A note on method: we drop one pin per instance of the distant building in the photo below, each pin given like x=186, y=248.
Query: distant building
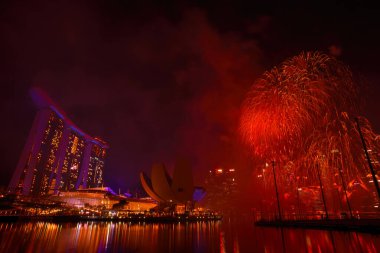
x=221, y=187
x=57, y=155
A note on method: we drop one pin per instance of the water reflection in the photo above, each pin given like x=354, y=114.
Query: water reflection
x=227, y=236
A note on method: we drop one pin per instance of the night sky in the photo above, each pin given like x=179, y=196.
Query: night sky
x=164, y=80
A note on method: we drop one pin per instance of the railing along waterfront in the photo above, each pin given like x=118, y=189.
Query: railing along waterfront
x=273, y=216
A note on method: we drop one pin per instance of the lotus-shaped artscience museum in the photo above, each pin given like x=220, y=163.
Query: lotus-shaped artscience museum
x=179, y=189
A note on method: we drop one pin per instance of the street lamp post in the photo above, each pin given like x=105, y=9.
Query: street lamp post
x=323, y=195
x=275, y=186
x=298, y=199
x=344, y=189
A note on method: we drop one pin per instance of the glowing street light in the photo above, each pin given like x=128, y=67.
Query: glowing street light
x=275, y=185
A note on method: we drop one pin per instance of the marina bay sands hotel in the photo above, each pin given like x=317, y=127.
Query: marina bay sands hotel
x=57, y=155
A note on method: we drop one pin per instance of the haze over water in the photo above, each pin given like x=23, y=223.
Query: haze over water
x=221, y=236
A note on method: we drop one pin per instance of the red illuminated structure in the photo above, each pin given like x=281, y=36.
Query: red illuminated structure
x=57, y=154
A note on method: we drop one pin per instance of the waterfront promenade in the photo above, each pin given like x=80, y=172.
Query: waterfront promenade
x=148, y=218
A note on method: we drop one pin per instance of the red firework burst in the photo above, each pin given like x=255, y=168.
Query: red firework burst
x=289, y=101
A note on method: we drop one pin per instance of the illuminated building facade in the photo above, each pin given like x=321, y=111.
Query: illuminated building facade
x=57, y=155
x=102, y=197
x=96, y=166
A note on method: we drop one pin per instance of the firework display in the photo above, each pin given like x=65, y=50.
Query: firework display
x=301, y=115
x=287, y=102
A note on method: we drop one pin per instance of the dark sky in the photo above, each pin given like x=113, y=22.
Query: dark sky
x=162, y=80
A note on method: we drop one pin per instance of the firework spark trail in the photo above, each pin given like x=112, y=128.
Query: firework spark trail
x=339, y=141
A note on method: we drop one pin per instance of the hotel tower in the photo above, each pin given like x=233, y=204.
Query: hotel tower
x=57, y=155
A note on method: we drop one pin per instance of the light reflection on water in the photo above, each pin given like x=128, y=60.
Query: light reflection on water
x=225, y=236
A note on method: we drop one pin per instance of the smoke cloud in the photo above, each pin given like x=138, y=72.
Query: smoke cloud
x=153, y=86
